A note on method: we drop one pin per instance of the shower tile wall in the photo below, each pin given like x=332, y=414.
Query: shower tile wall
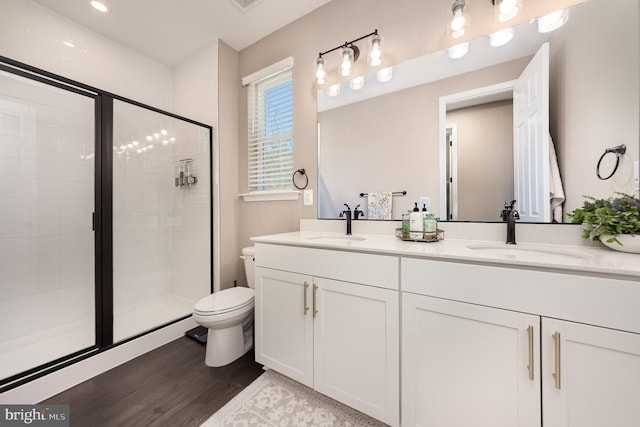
x=35, y=35
x=192, y=218
x=46, y=237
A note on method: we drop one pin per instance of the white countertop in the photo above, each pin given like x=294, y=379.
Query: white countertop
x=592, y=259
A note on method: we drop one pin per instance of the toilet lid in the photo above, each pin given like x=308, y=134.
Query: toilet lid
x=225, y=300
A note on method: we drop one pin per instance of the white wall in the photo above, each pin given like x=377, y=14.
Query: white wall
x=593, y=116
x=33, y=34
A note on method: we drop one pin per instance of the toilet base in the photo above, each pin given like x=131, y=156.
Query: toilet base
x=228, y=344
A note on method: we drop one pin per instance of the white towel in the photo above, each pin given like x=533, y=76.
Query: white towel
x=379, y=205
x=556, y=192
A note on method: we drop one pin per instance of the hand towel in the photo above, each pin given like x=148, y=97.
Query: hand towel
x=379, y=205
x=556, y=191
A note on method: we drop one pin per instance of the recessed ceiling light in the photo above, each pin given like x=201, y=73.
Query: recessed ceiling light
x=99, y=6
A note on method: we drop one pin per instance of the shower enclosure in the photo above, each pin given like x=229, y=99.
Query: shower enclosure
x=105, y=220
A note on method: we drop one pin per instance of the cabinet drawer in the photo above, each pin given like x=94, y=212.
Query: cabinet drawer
x=370, y=269
x=601, y=301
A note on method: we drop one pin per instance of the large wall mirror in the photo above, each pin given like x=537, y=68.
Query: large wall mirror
x=444, y=130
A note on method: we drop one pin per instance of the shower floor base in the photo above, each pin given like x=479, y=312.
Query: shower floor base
x=138, y=318
x=29, y=351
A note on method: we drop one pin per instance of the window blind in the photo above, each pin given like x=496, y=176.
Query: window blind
x=270, y=131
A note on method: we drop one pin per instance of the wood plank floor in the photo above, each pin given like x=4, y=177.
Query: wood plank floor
x=169, y=386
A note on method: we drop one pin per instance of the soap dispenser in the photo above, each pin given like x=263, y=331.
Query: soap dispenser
x=416, y=223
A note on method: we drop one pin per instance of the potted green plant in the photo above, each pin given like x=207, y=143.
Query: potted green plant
x=614, y=221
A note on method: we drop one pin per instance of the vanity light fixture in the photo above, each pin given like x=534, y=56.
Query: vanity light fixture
x=357, y=83
x=458, y=51
x=500, y=38
x=349, y=54
x=321, y=74
x=553, y=21
x=374, y=58
x=99, y=6
x=457, y=19
x=507, y=9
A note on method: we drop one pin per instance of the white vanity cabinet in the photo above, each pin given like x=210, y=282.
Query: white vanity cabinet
x=470, y=333
x=591, y=376
x=468, y=365
x=330, y=320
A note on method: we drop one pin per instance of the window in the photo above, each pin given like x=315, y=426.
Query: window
x=270, y=130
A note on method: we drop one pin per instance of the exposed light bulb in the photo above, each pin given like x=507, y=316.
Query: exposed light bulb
x=357, y=83
x=345, y=64
x=507, y=6
x=156, y=135
x=149, y=138
x=375, y=53
x=507, y=9
x=458, y=21
x=163, y=131
x=136, y=143
x=321, y=73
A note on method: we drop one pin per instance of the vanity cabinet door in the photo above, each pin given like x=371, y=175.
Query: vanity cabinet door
x=284, y=323
x=468, y=365
x=356, y=340
x=599, y=376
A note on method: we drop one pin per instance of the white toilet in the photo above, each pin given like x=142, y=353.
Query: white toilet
x=228, y=316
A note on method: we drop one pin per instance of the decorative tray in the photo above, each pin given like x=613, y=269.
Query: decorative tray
x=420, y=236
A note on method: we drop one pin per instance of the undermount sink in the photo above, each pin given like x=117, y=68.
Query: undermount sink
x=527, y=250
x=336, y=238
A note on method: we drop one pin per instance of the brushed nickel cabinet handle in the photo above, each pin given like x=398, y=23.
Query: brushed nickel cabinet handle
x=530, y=365
x=315, y=294
x=306, y=305
x=557, y=373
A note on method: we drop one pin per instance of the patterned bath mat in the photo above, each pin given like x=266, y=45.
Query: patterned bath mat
x=274, y=400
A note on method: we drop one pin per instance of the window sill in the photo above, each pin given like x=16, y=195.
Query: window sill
x=267, y=196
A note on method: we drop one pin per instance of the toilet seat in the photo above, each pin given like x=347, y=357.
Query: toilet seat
x=225, y=301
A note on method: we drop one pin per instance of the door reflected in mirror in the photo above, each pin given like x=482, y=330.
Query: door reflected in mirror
x=394, y=139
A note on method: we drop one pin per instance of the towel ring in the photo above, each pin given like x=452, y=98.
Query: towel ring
x=618, y=151
x=306, y=177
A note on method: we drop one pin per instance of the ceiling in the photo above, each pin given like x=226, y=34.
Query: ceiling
x=170, y=32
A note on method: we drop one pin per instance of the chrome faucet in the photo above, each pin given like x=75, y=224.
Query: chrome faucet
x=509, y=215
x=347, y=214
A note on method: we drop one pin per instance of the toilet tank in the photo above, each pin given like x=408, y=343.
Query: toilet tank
x=249, y=257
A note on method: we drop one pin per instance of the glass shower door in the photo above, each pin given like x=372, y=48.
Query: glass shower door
x=47, y=297
x=161, y=218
